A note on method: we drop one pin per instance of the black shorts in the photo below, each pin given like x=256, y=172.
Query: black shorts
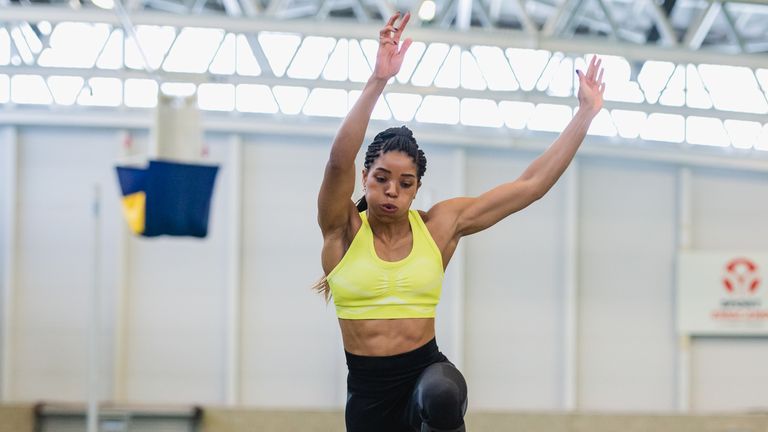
x=419, y=390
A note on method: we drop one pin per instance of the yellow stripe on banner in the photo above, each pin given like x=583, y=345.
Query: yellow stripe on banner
x=134, y=206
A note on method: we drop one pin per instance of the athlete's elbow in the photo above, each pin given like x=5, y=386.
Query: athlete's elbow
x=338, y=164
x=537, y=189
x=540, y=192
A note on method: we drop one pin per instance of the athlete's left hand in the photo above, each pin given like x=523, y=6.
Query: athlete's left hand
x=391, y=52
x=591, y=87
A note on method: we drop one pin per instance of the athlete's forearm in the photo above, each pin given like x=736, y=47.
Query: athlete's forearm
x=350, y=136
x=547, y=168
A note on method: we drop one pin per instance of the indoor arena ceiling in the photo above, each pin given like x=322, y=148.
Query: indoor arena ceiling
x=727, y=26
x=683, y=74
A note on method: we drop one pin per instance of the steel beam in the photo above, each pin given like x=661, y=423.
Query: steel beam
x=663, y=26
x=702, y=25
x=609, y=18
x=342, y=29
x=528, y=24
x=536, y=97
x=733, y=29
x=553, y=22
x=475, y=137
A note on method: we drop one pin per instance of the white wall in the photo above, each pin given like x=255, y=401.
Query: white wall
x=729, y=213
x=174, y=306
x=514, y=306
x=290, y=340
x=502, y=318
x=627, y=250
x=57, y=173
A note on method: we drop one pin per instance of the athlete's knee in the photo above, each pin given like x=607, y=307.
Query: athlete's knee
x=443, y=394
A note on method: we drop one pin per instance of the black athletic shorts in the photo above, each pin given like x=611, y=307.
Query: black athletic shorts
x=419, y=390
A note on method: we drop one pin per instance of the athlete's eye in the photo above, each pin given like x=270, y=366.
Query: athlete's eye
x=381, y=179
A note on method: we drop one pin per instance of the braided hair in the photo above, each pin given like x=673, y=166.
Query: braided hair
x=394, y=139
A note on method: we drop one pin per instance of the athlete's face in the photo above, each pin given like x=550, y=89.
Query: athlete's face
x=390, y=184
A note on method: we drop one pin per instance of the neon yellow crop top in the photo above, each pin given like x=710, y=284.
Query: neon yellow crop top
x=366, y=287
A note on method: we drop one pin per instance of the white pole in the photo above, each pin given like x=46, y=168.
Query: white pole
x=234, y=274
x=122, y=295
x=8, y=192
x=459, y=264
x=684, y=340
x=93, y=369
x=571, y=289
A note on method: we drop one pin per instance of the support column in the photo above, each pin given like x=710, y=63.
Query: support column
x=459, y=264
x=233, y=325
x=684, y=340
x=8, y=194
x=122, y=298
x=571, y=289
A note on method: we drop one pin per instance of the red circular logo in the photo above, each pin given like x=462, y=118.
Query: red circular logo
x=741, y=276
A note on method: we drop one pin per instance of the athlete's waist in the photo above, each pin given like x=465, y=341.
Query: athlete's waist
x=386, y=337
x=386, y=311
x=419, y=357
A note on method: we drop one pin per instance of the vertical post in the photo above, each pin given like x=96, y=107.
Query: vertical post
x=121, y=306
x=571, y=288
x=8, y=193
x=684, y=340
x=234, y=273
x=95, y=327
x=121, y=298
x=459, y=263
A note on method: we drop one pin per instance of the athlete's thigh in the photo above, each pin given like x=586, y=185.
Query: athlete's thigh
x=439, y=396
x=376, y=414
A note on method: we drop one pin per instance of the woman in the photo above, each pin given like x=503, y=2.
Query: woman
x=384, y=262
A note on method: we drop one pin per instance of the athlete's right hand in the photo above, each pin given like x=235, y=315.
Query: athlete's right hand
x=391, y=52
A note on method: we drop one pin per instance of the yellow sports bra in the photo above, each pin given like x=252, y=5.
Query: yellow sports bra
x=364, y=286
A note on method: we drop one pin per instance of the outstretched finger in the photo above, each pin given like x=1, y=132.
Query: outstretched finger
x=581, y=76
x=594, y=64
x=393, y=18
x=602, y=89
x=404, y=47
x=399, y=29
x=594, y=67
x=600, y=76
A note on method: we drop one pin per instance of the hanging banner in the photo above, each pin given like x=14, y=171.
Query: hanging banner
x=167, y=198
x=722, y=293
x=171, y=193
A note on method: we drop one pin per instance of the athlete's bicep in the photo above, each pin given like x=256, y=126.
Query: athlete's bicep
x=491, y=207
x=463, y=216
x=334, y=201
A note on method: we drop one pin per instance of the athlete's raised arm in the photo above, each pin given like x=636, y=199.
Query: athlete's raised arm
x=334, y=201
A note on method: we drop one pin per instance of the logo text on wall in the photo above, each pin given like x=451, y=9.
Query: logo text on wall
x=722, y=292
x=741, y=281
